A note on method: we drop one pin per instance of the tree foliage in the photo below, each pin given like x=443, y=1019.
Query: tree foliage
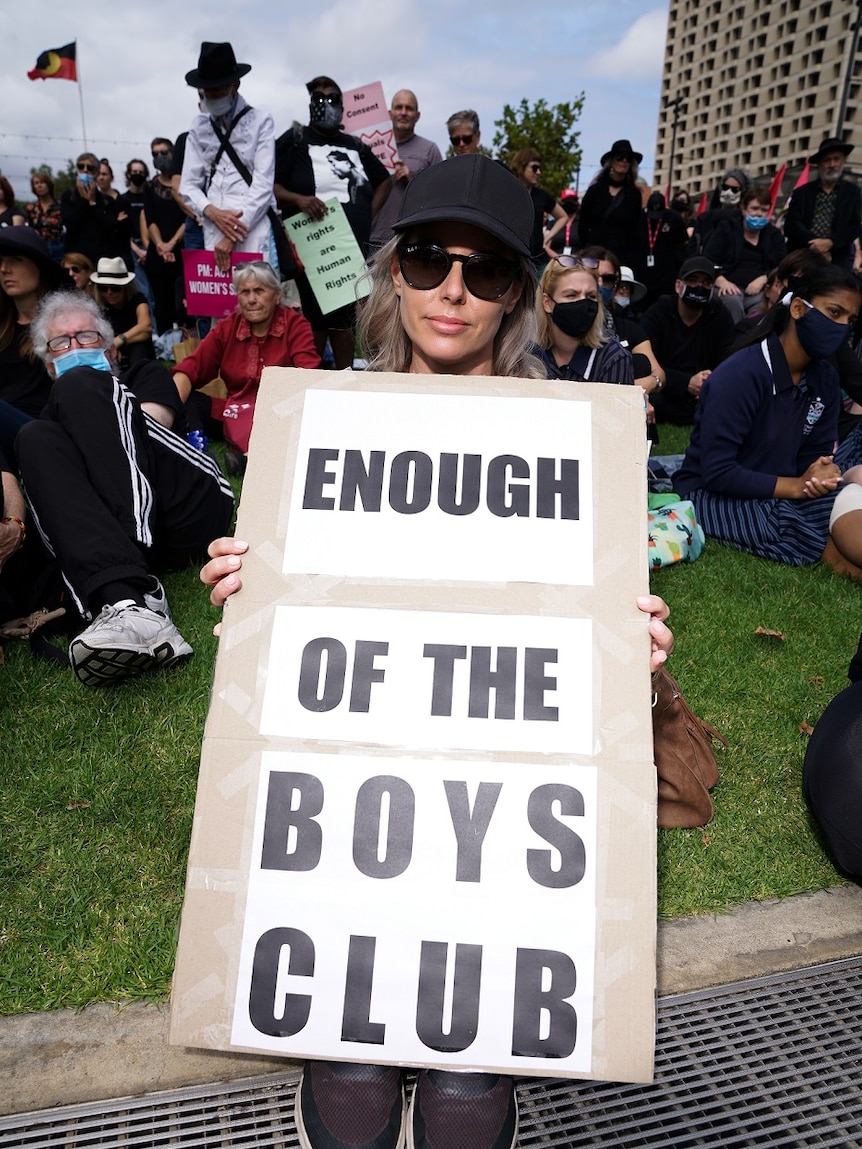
x=550, y=130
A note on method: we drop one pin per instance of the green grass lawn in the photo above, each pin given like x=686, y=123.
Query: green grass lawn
x=99, y=785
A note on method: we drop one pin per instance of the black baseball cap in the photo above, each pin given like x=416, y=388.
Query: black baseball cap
x=470, y=189
x=697, y=263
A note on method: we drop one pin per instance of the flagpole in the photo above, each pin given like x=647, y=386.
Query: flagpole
x=80, y=95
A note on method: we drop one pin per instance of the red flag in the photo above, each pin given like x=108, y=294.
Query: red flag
x=803, y=176
x=775, y=188
x=56, y=64
x=702, y=205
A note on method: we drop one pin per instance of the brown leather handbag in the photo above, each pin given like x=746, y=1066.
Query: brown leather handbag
x=684, y=760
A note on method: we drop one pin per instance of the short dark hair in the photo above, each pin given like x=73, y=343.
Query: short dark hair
x=162, y=140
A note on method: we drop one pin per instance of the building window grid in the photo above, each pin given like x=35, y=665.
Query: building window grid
x=795, y=140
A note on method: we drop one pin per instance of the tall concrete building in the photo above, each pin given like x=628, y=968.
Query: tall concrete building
x=757, y=83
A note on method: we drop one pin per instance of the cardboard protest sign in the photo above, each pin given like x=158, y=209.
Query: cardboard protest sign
x=330, y=255
x=208, y=290
x=425, y=824
x=366, y=115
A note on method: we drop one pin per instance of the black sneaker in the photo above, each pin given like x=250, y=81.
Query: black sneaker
x=463, y=1111
x=346, y=1106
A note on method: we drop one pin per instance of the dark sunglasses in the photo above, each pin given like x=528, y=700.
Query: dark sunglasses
x=425, y=266
x=111, y=286
x=608, y=280
x=534, y=167
x=623, y=156
x=730, y=188
x=73, y=267
x=577, y=261
x=163, y=152
x=456, y=140
x=86, y=167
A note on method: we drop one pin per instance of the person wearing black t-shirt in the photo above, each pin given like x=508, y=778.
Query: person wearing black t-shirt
x=314, y=164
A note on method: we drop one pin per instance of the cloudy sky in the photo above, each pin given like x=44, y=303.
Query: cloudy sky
x=132, y=62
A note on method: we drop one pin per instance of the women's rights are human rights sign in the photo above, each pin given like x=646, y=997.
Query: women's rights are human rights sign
x=425, y=829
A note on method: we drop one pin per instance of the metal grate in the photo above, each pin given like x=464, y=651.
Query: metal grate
x=771, y=1061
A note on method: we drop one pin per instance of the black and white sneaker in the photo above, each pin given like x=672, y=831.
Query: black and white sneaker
x=346, y=1106
x=125, y=640
x=463, y=1111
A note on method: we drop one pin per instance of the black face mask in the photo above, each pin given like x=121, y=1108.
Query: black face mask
x=576, y=318
x=696, y=296
x=136, y=179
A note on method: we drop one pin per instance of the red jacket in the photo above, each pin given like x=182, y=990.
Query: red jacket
x=233, y=352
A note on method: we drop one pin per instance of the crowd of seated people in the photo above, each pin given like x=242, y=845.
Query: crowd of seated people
x=708, y=314
x=733, y=320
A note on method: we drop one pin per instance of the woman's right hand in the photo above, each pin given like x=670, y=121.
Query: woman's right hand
x=222, y=571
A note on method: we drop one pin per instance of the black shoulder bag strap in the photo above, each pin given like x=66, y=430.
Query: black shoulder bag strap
x=288, y=266
x=227, y=146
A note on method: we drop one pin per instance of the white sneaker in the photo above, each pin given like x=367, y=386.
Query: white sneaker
x=124, y=641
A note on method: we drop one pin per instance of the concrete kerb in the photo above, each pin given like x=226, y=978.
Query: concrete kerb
x=68, y=1057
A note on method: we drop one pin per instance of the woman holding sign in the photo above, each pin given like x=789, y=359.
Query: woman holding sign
x=452, y=293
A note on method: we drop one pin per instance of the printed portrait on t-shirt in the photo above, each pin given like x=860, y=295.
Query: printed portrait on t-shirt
x=337, y=172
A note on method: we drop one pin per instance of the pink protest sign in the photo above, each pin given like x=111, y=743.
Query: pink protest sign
x=208, y=290
x=366, y=116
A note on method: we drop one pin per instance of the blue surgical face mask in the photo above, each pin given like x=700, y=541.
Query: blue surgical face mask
x=623, y=301
x=219, y=107
x=756, y=222
x=81, y=357
x=607, y=294
x=819, y=335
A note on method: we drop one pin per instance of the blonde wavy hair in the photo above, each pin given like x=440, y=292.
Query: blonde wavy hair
x=387, y=348
x=551, y=276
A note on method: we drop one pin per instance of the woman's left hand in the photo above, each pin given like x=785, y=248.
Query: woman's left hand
x=661, y=636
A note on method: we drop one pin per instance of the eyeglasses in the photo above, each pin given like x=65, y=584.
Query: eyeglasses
x=73, y=267
x=621, y=156
x=161, y=152
x=425, y=266
x=86, y=167
x=608, y=280
x=112, y=287
x=455, y=141
x=586, y=262
x=730, y=187
x=82, y=338
x=326, y=98
x=534, y=167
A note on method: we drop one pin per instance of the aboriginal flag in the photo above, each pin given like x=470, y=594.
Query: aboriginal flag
x=56, y=64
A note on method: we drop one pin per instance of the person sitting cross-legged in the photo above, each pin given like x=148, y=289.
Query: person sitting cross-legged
x=114, y=492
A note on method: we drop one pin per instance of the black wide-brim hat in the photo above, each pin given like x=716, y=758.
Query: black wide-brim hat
x=217, y=67
x=622, y=148
x=25, y=241
x=470, y=189
x=833, y=144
